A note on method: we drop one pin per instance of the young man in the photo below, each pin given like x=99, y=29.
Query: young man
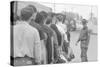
x=41, y=20
x=43, y=36
x=84, y=39
x=62, y=29
x=27, y=47
x=49, y=32
x=66, y=52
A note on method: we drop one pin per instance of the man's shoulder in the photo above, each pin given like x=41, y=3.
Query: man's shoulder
x=47, y=29
x=33, y=29
x=36, y=25
x=17, y=26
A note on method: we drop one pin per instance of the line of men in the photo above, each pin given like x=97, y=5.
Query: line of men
x=42, y=38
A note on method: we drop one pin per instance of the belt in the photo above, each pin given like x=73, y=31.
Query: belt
x=21, y=61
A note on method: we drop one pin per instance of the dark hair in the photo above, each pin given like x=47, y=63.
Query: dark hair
x=44, y=14
x=33, y=7
x=49, y=20
x=26, y=13
x=84, y=21
x=60, y=17
x=39, y=18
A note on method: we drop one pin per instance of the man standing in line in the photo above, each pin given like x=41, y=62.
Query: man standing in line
x=27, y=47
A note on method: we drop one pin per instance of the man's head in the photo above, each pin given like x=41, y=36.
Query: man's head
x=28, y=13
x=49, y=20
x=84, y=22
x=35, y=11
x=60, y=17
x=39, y=19
x=45, y=15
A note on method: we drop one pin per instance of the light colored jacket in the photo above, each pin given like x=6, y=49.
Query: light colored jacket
x=62, y=29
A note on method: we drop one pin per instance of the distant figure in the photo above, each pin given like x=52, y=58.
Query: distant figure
x=84, y=39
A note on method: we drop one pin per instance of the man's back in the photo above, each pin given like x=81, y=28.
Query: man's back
x=26, y=38
x=39, y=28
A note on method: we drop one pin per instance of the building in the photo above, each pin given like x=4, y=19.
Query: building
x=22, y=4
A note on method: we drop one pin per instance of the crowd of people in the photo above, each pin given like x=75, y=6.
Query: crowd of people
x=44, y=38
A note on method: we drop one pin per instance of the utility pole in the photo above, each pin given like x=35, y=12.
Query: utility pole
x=91, y=15
x=71, y=9
x=54, y=5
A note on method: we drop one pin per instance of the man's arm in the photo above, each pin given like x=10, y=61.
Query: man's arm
x=37, y=44
x=80, y=36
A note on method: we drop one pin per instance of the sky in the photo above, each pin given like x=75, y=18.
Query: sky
x=83, y=10
x=63, y=5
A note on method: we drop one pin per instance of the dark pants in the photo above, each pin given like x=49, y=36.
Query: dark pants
x=84, y=54
x=84, y=48
x=55, y=52
x=49, y=50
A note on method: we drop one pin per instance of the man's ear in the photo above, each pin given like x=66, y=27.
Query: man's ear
x=33, y=17
x=35, y=14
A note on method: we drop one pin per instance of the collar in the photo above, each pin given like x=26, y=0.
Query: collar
x=22, y=22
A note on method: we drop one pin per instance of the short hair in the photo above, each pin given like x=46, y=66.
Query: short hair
x=84, y=21
x=44, y=14
x=49, y=20
x=33, y=7
x=39, y=18
x=26, y=13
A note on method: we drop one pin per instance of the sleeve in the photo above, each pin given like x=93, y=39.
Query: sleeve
x=37, y=47
x=81, y=35
x=68, y=35
x=55, y=38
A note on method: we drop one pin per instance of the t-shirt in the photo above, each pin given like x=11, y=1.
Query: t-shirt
x=26, y=41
